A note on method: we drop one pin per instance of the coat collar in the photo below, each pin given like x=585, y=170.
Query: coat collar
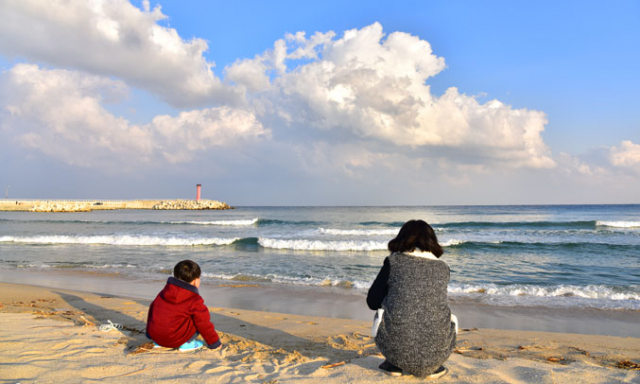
x=182, y=284
x=426, y=255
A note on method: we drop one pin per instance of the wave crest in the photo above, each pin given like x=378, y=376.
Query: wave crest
x=358, y=232
x=235, y=223
x=319, y=245
x=619, y=224
x=587, y=292
x=121, y=240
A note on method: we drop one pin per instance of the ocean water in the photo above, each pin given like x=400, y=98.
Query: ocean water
x=567, y=256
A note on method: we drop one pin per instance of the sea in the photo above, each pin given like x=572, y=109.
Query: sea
x=585, y=256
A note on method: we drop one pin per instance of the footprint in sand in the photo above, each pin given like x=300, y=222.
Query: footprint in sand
x=220, y=369
x=230, y=376
x=310, y=368
x=253, y=377
x=65, y=344
x=269, y=368
x=94, y=351
x=198, y=365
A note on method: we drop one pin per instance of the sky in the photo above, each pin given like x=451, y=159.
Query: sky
x=321, y=103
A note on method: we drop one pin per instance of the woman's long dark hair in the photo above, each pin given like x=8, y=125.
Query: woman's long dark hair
x=416, y=234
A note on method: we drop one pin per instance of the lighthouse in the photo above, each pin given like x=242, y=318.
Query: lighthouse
x=198, y=190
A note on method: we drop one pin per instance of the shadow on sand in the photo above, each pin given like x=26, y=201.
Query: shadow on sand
x=134, y=331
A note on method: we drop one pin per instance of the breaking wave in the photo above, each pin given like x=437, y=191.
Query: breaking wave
x=358, y=232
x=333, y=245
x=280, y=279
x=239, y=222
x=320, y=245
x=121, y=240
x=235, y=223
x=619, y=224
x=590, y=296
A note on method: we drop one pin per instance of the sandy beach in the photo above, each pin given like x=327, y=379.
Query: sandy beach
x=52, y=335
x=423, y=158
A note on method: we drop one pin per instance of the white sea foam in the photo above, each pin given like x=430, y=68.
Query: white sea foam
x=319, y=245
x=88, y=266
x=590, y=296
x=118, y=240
x=619, y=224
x=451, y=242
x=237, y=223
x=112, y=266
x=359, y=232
x=326, y=282
x=333, y=245
x=587, y=292
x=305, y=281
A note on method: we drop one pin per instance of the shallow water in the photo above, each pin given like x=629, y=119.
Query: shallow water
x=553, y=256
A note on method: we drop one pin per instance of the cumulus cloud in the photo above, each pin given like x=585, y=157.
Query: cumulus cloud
x=199, y=130
x=339, y=159
x=591, y=168
x=362, y=89
x=113, y=38
x=374, y=87
x=61, y=113
x=626, y=155
x=573, y=165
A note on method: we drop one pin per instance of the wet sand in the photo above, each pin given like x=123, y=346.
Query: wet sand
x=336, y=302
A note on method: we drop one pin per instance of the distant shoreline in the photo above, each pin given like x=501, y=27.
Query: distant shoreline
x=88, y=205
x=109, y=204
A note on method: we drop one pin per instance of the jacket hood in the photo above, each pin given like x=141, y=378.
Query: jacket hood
x=176, y=291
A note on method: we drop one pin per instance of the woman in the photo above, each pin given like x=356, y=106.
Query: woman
x=416, y=335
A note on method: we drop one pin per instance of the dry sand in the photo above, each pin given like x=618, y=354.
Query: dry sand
x=51, y=335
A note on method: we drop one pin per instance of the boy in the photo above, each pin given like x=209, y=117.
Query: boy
x=178, y=314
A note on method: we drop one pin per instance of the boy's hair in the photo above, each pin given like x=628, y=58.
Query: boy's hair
x=187, y=271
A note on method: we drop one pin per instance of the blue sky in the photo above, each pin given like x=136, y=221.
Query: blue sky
x=415, y=102
x=575, y=60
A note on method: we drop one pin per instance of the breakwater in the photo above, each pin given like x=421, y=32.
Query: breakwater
x=87, y=205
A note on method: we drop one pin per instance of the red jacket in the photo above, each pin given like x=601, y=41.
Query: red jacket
x=177, y=313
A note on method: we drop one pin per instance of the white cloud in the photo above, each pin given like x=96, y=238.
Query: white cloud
x=573, y=165
x=627, y=155
x=364, y=89
x=339, y=159
x=60, y=113
x=200, y=130
x=113, y=38
x=375, y=88
x=250, y=75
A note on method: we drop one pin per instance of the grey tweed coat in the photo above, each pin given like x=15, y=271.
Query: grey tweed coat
x=416, y=333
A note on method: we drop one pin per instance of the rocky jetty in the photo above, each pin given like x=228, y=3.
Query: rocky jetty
x=191, y=204
x=101, y=205
x=61, y=207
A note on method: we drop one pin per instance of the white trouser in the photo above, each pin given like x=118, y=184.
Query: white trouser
x=454, y=319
